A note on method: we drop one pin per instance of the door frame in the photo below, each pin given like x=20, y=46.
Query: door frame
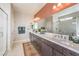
x=6, y=32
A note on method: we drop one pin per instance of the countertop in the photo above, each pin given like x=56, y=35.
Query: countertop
x=64, y=43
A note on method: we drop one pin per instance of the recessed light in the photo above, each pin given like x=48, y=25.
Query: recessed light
x=59, y=4
x=36, y=19
x=54, y=7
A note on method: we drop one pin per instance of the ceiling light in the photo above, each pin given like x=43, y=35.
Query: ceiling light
x=36, y=19
x=54, y=7
x=59, y=4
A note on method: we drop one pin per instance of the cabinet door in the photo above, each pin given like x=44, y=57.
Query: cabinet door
x=68, y=52
x=46, y=50
x=38, y=45
x=31, y=37
x=57, y=53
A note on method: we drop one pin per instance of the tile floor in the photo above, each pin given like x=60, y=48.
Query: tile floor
x=17, y=49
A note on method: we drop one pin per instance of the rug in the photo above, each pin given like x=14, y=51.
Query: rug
x=30, y=50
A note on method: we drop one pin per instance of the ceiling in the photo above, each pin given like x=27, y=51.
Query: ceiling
x=29, y=9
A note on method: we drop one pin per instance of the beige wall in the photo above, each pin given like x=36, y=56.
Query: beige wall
x=48, y=24
x=22, y=20
x=41, y=23
x=12, y=26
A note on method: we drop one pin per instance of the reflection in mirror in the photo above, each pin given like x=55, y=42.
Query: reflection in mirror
x=47, y=23
x=67, y=26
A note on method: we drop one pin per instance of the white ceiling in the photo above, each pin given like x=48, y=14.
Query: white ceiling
x=29, y=9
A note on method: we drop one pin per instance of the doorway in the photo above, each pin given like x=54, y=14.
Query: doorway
x=3, y=31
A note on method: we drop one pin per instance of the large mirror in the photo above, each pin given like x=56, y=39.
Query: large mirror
x=68, y=24
x=47, y=23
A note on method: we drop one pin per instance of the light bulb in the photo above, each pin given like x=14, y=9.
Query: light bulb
x=54, y=6
x=59, y=4
x=36, y=19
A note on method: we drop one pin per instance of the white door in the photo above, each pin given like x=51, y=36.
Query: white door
x=3, y=32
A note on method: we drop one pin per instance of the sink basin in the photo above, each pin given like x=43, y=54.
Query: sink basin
x=48, y=35
x=66, y=43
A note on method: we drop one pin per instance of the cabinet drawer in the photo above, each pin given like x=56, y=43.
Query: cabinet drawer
x=56, y=47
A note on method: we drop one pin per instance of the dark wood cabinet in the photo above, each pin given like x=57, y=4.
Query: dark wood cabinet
x=42, y=47
x=67, y=52
x=48, y=48
x=57, y=53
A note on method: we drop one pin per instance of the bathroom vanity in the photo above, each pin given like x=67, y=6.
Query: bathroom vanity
x=49, y=45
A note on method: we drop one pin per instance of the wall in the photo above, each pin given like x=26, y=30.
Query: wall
x=41, y=23
x=7, y=8
x=48, y=24
x=69, y=10
x=12, y=26
x=22, y=20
